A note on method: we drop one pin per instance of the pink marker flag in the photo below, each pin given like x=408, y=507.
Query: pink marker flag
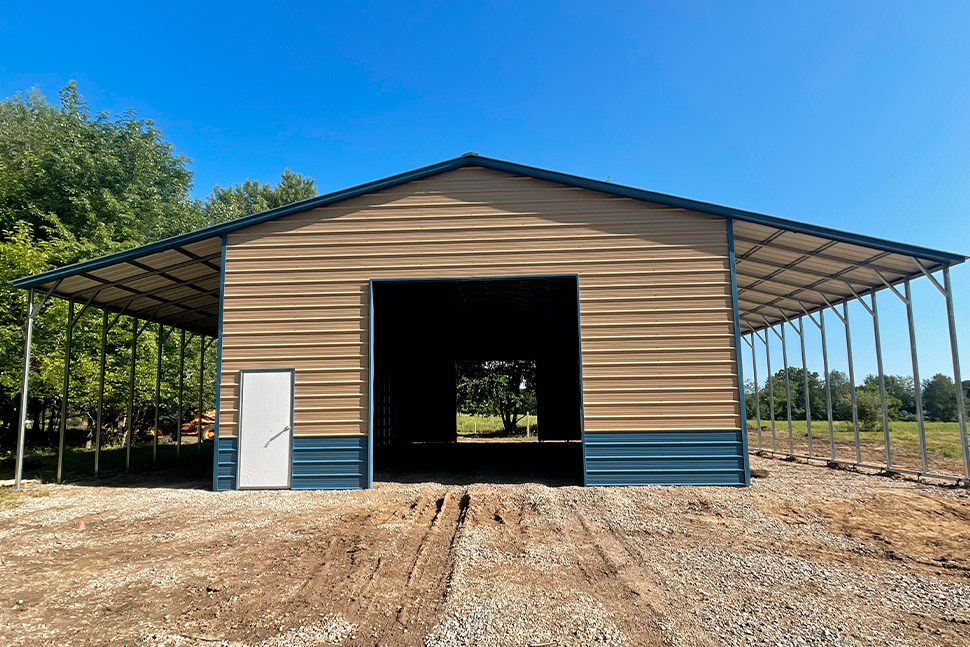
x=81, y=526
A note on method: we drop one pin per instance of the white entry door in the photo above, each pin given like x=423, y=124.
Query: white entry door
x=265, y=428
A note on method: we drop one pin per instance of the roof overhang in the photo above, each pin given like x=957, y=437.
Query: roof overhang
x=784, y=268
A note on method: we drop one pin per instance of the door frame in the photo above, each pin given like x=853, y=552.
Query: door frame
x=289, y=467
x=370, y=351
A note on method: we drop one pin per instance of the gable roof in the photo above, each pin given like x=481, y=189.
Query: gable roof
x=180, y=257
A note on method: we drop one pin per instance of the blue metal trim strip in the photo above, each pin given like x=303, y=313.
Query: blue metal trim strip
x=737, y=351
x=945, y=258
x=582, y=403
x=224, y=472
x=370, y=384
x=478, y=278
x=218, y=389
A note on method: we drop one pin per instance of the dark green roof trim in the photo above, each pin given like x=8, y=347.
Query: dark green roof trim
x=946, y=258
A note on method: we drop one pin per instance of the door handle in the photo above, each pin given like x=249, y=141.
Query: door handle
x=283, y=431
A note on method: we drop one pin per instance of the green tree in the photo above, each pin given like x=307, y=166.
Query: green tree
x=940, y=398
x=252, y=196
x=899, y=387
x=841, y=390
x=505, y=388
x=88, y=184
x=74, y=186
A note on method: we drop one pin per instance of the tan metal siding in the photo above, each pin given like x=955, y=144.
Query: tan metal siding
x=655, y=307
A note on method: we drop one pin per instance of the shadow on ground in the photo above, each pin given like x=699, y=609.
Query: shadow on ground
x=549, y=463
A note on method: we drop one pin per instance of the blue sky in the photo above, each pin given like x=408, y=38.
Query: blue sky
x=851, y=115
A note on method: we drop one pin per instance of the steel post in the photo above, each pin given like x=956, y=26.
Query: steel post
x=784, y=359
x=771, y=394
x=917, y=390
x=757, y=397
x=100, y=412
x=806, y=400
x=882, y=380
x=955, y=352
x=131, y=393
x=24, y=391
x=828, y=385
x=201, y=391
x=855, y=402
x=65, y=390
x=178, y=421
x=158, y=393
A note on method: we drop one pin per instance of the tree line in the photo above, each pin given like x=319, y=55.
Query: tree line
x=938, y=395
x=75, y=185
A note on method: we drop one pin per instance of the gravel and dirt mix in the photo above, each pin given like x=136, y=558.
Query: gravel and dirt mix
x=806, y=556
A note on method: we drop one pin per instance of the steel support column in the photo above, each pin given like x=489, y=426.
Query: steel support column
x=820, y=324
x=874, y=311
x=131, y=393
x=178, y=421
x=100, y=411
x=22, y=426
x=201, y=391
x=828, y=383
x=65, y=390
x=771, y=394
x=158, y=393
x=852, y=393
x=757, y=397
x=917, y=389
x=807, y=401
x=784, y=359
x=955, y=352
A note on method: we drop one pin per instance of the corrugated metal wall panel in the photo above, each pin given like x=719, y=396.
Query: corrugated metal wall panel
x=695, y=457
x=656, y=318
x=329, y=463
x=226, y=463
x=318, y=463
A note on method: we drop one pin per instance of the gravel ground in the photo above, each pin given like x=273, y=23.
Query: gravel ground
x=806, y=556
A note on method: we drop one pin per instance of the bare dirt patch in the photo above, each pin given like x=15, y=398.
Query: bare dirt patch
x=805, y=556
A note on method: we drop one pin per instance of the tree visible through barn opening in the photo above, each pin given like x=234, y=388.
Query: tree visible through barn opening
x=496, y=400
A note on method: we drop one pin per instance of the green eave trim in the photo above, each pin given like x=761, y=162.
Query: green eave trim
x=946, y=258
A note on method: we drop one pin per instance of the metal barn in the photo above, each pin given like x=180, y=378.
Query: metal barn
x=339, y=319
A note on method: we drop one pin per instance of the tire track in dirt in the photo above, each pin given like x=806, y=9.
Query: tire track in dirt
x=621, y=581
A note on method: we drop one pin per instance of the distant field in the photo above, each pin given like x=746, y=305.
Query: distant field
x=942, y=442
x=473, y=426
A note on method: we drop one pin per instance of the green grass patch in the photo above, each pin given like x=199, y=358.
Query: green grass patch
x=475, y=426
x=942, y=438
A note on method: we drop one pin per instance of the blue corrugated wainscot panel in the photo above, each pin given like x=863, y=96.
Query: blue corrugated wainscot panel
x=329, y=463
x=226, y=452
x=665, y=458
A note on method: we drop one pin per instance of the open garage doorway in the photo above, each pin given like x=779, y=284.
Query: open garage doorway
x=422, y=329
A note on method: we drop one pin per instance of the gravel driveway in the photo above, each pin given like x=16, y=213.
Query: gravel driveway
x=806, y=556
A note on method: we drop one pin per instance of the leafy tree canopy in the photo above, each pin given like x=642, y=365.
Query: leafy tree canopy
x=252, y=196
x=76, y=185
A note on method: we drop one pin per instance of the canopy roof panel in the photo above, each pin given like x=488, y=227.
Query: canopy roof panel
x=784, y=268
x=783, y=274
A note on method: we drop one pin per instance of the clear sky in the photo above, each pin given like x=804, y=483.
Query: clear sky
x=854, y=115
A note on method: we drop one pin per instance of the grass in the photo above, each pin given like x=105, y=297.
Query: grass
x=474, y=426
x=11, y=498
x=943, y=449
x=942, y=438
x=79, y=462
